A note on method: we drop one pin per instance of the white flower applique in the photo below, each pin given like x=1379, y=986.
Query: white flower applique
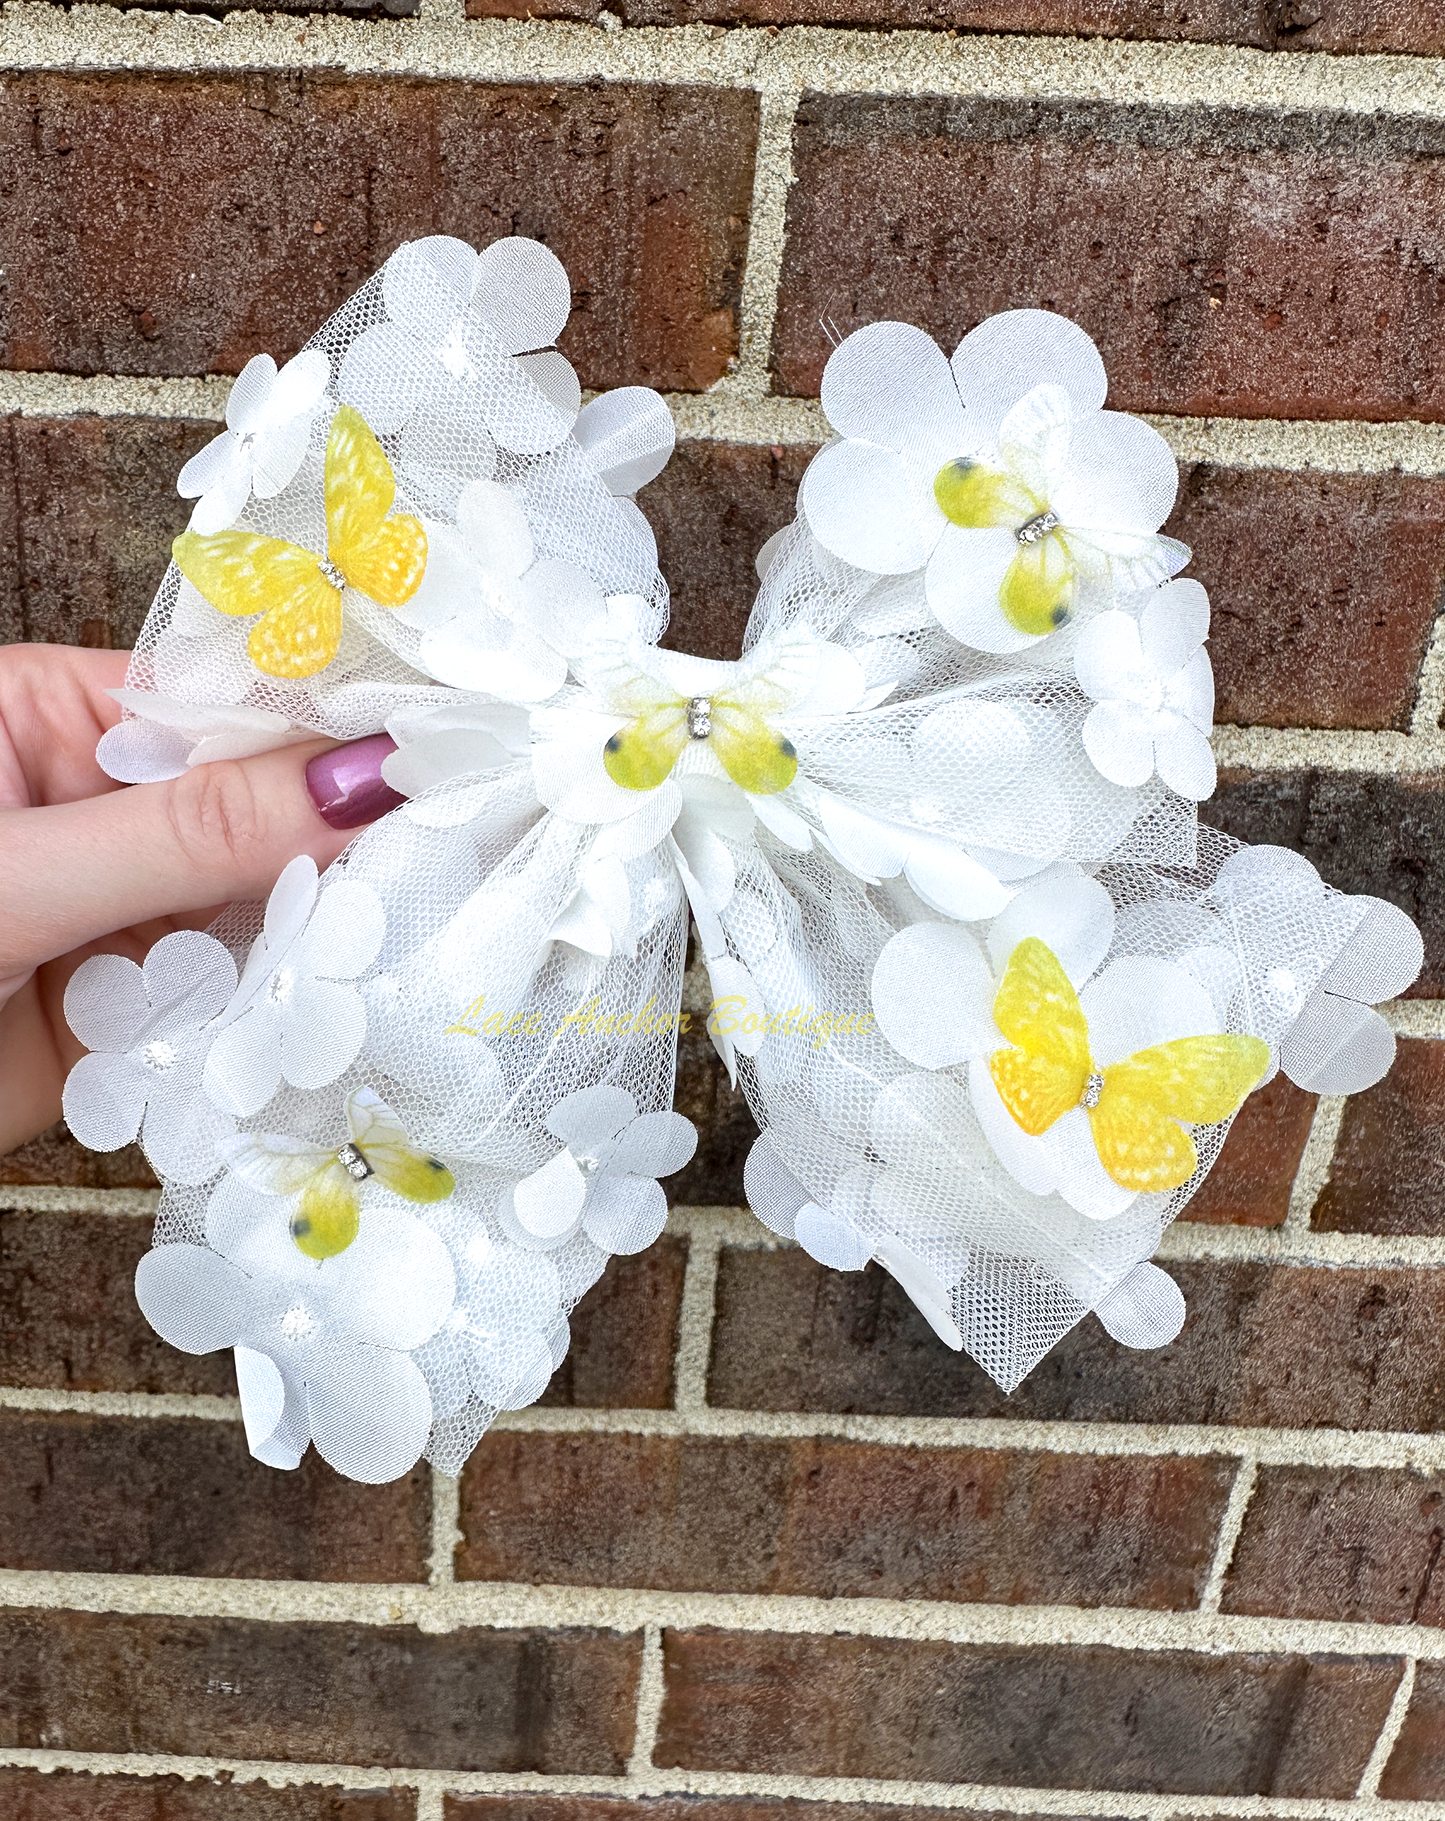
x=492, y=617
x=1153, y=687
x=998, y=473
x=268, y=425
x=166, y=736
x=149, y=1029
x=1330, y=1040
x=321, y=1335
x=627, y=435
x=292, y=1017
x=445, y=359
x=1083, y=1081
x=603, y=1182
x=508, y=1322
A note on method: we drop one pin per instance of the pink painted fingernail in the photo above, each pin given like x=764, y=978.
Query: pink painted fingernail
x=346, y=784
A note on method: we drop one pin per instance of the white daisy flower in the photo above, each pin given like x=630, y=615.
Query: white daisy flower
x=268, y=425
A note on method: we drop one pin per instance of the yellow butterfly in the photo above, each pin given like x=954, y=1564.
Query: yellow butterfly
x=754, y=755
x=328, y=1216
x=1134, y=1105
x=296, y=592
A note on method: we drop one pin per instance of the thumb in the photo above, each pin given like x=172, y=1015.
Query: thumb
x=77, y=871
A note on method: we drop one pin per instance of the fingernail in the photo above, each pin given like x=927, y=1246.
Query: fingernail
x=346, y=784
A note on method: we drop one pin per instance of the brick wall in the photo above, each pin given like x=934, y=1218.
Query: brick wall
x=766, y=1549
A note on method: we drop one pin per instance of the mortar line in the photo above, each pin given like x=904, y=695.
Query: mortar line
x=1369, y=1787
x=1230, y=1525
x=510, y=1606
x=1430, y=690
x=1327, y=1448
x=431, y=1804
x=651, y=1690
x=762, y=271
x=1367, y=752
x=446, y=1531
x=1332, y=1448
x=1314, y=1164
x=826, y=59
x=47, y=1198
x=732, y=414
x=899, y=1793
x=1414, y=1017
x=695, y=1322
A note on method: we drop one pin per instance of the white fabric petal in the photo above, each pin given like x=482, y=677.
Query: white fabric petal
x=1119, y=740
x=773, y=1193
x=522, y=289
x=222, y=503
x=1006, y=356
x=370, y=1413
x=104, y=1098
x=1190, y=691
x=1139, y=1001
x=589, y=1120
x=951, y=881
x=625, y=1213
x=298, y=388
x=394, y=1282
x=1073, y=914
x=933, y=996
x=655, y=1144
x=1173, y=626
x=253, y=1230
x=832, y=1240
x=493, y=524
x=1185, y=761
x=106, y=1002
x=548, y=1203
x=243, y=1066
x=382, y=376
x=427, y=283
x=628, y=434
x=289, y=905
x=179, y=1135
x=189, y=977
x=1030, y=1161
x=931, y=1296
x=964, y=577
x=344, y=934
x=867, y=505
x=1109, y=657
x=140, y=752
x=263, y=1397
x=1381, y=958
x=555, y=378
x=1082, y=1179
x=279, y=453
x=211, y=466
x=1122, y=476
x=890, y=383
x=250, y=396
x=193, y=1298
x=1145, y=1310
x=1337, y=1046
x=322, y=1030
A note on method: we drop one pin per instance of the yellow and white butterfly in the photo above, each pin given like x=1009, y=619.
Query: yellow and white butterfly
x=297, y=593
x=328, y=1181
x=1134, y=1106
x=733, y=717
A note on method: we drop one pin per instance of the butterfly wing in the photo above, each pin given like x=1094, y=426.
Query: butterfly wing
x=329, y=1216
x=1038, y=1010
x=640, y=755
x=1199, y=1079
x=399, y=1166
x=754, y=755
x=241, y=573
x=383, y=557
x=274, y=1162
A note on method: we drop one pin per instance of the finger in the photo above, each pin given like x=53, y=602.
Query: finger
x=219, y=833
x=53, y=709
x=32, y=1070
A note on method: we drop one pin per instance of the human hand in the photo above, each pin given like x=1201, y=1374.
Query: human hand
x=88, y=865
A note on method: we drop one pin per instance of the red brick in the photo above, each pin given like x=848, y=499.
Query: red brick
x=95, y=504
x=1227, y=262
x=840, y=1520
x=1365, y=833
x=554, y=1701
x=56, y=1157
x=1388, y=1173
x=68, y=1314
x=1416, y=1770
x=624, y=1334
x=1327, y=25
x=195, y=1503
x=1342, y=1543
x=1052, y=1718
x=713, y=508
x=69, y=1795
x=522, y=1807
x=1253, y=1175
x=165, y=224
x=1292, y=1347
x=1323, y=589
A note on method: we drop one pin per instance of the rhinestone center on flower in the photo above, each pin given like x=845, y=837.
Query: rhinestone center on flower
x=353, y=1160
x=160, y=1056
x=699, y=717
x=1093, y=1090
x=331, y=572
x=1036, y=529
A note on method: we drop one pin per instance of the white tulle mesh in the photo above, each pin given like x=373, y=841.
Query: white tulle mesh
x=404, y=1112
